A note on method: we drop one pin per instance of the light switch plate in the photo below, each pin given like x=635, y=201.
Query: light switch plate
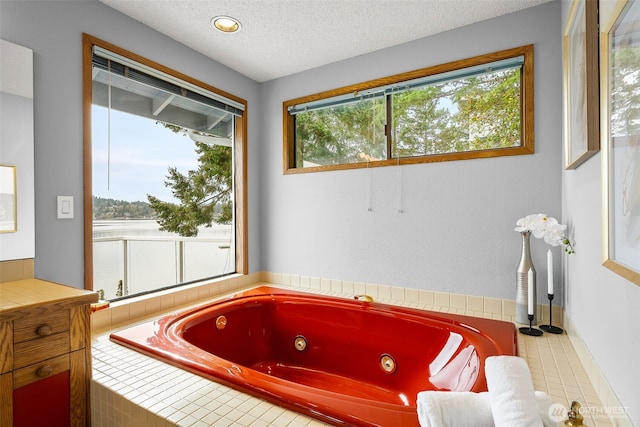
x=65, y=207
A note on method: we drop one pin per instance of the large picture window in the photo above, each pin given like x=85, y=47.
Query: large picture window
x=164, y=168
x=477, y=107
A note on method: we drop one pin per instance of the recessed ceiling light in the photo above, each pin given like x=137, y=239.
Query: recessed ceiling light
x=226, y=24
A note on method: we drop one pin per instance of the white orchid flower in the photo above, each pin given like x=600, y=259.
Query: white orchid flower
x=545, y=227
x=555, y=234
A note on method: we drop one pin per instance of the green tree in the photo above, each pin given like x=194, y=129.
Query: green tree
x=473, y=113
x=421, y=123
x=342, y=134
x=489, y=107
x=105, y=209
x=205, y=194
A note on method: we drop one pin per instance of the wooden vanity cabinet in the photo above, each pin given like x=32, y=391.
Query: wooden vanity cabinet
x=45, y=354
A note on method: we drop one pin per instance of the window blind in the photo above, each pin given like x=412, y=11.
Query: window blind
x=505, y=64
x=119, y=65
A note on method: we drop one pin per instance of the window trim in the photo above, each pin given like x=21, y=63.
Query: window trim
x=240, y=158
x=527, y=114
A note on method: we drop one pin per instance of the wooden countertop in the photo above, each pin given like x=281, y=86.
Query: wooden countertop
x=20, y=295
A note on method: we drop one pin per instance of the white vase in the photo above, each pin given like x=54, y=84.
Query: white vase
x=522, y=283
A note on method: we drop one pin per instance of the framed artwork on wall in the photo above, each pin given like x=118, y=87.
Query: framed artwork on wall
x=620, y=61
x=8, y=200
x=581, y=83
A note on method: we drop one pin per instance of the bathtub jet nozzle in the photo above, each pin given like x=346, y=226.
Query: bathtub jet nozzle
x=221, y=322
x=387, y=363
x=300, y=343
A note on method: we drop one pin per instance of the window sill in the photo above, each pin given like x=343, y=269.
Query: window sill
x=144, y=306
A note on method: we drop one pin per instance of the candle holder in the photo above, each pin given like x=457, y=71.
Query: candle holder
x=530, y=330
x=550, y=328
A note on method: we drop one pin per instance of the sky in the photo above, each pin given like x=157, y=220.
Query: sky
x=140, y=153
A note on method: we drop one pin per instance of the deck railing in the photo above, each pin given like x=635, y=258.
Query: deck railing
x=129, y=265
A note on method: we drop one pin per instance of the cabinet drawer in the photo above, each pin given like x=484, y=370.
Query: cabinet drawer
x=30, y=352
x=40, y=371
x=37, y=325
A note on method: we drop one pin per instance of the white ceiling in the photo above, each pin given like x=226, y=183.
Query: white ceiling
x=283, y=37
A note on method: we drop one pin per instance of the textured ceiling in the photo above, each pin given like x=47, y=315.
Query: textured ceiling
x=283, y=37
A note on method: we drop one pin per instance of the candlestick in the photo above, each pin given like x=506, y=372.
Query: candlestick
x=530, y=330
x=550, y=328
x=530, y=286
x=549, y=272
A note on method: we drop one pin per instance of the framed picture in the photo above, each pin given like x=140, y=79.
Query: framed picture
x=8, y=200
x=581, y=83
x=620, y=61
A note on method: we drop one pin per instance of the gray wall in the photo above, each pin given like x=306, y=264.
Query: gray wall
x=604, y=307
x=53, y=30
x=456, y=232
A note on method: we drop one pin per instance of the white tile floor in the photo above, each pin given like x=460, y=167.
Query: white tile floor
x=131, y=389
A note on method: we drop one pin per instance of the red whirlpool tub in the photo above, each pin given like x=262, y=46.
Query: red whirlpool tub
x=345, y=362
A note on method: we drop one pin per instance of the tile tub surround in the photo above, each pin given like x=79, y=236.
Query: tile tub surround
x=129, y=388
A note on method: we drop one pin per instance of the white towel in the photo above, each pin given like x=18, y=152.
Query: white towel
x=443, y=408
x=513, y=400
x=544, y=404
x=451, y=409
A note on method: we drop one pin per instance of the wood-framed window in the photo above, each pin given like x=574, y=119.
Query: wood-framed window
x=472, y=108
x=137, y=108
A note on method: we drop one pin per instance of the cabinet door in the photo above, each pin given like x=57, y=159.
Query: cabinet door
x=43, y=403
